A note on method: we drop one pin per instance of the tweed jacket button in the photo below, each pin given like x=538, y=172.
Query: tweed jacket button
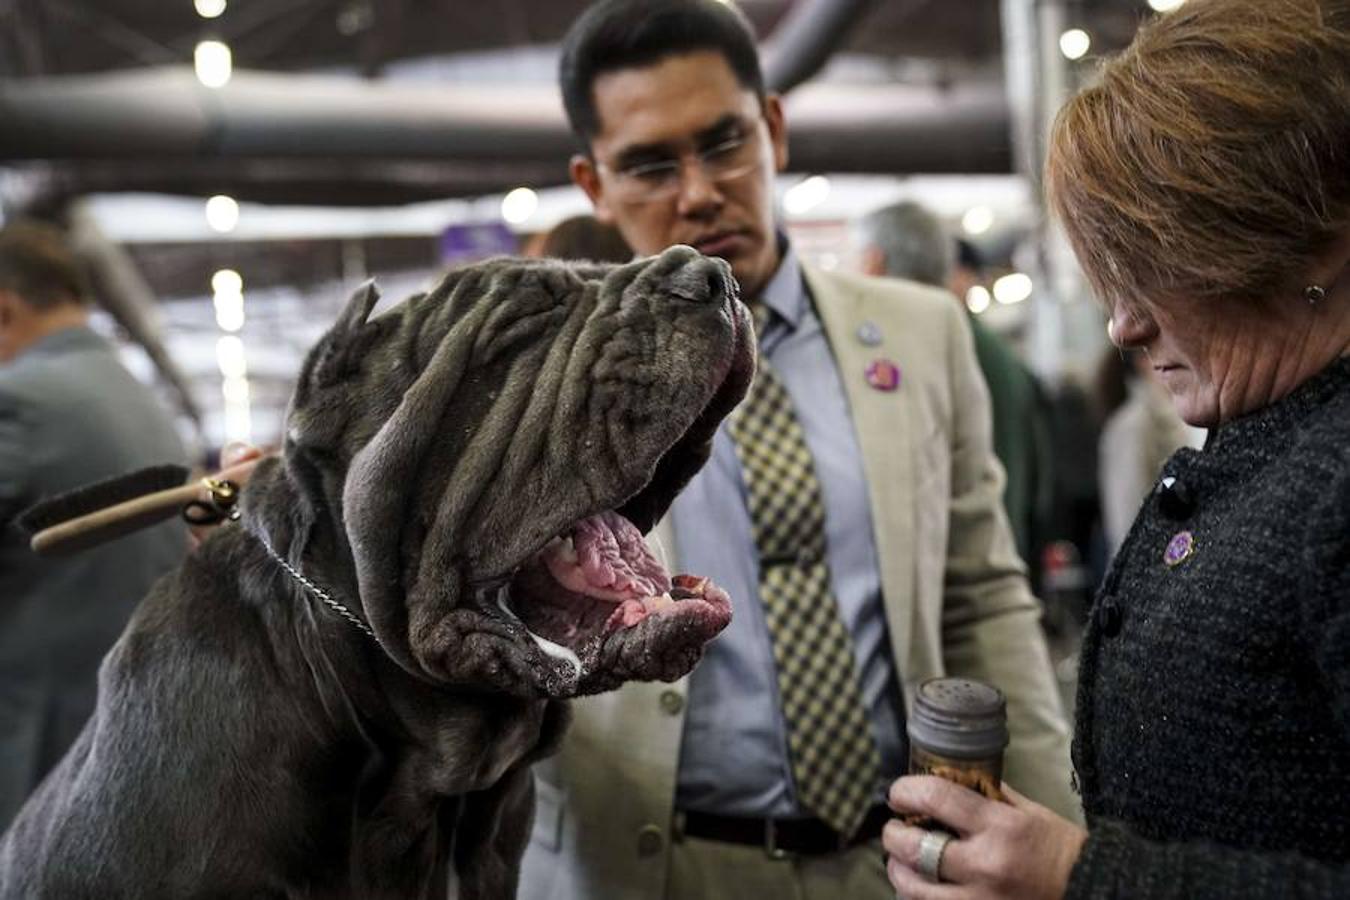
x=1110, y=617
x=650, y=840
x=672, y=702
x=1175, y=498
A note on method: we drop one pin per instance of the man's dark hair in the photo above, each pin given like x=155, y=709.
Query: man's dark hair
x=968, y=256
x=626, y=34
x=37, y=264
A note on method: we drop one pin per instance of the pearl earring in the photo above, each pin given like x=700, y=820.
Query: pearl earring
x=1314, y=294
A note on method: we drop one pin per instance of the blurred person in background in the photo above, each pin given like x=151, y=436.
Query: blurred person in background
x=583, y=237
x=1204, y=184
x=879, y=462
x=70, y=414
x=906, y=240
x=1140, y=430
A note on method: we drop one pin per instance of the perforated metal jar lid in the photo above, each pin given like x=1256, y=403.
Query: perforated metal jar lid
x=959, y=718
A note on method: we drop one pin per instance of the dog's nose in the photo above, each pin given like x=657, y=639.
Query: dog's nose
x=701, y=280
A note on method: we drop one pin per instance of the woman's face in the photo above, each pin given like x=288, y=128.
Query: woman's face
x=1219, y=360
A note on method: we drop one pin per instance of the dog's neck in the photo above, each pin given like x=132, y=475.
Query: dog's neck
x=406, y=759
x=355, y=679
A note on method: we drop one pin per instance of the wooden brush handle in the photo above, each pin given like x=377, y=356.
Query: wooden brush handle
x=113, y=521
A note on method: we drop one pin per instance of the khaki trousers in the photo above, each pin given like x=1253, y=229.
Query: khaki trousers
x=713, y=870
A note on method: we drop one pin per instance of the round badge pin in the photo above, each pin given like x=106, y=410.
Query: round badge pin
x=883, y=375
x=869, y=335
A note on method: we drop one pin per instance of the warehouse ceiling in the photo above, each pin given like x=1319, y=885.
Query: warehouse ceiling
x=378, y=103
x=897, y=63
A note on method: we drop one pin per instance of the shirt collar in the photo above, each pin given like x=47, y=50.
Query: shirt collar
x=785, y=293
x=64, y=339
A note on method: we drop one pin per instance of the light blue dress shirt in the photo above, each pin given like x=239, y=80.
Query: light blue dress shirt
x=734, y=752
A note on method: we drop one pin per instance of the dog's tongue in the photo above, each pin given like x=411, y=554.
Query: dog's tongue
x=607, y=559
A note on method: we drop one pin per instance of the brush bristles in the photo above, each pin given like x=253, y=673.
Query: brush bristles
x=84, y=500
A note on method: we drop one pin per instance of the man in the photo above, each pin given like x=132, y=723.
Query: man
x=905, y=240
x=698, y=789
x=70, y=415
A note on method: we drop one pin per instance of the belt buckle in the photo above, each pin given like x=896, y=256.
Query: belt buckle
x=771, y=848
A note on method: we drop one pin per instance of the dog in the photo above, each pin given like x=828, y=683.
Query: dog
x=340, y=695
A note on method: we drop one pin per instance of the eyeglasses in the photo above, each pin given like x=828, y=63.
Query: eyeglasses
x=661, y=179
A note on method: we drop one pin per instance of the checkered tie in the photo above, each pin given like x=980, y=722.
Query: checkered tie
x=835, y=761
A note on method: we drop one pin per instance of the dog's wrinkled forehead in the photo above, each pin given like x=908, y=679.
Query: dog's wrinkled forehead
x=360, y=370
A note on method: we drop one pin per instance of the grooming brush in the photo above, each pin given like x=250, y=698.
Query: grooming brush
x=100, y=512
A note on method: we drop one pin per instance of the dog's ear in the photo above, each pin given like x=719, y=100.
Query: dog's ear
x=343, y=346
x=317, y=413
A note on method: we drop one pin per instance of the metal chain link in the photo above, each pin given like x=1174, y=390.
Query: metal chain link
x=314, y=588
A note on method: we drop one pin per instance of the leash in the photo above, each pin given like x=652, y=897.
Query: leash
x=324, y=597
x=224, y=507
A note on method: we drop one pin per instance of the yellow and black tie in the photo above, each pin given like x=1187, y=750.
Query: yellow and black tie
x=835, y=760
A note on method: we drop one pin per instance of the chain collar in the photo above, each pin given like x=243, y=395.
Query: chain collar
x=313, y=588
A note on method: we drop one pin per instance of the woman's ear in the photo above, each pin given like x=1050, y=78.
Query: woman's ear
x=1332, y=268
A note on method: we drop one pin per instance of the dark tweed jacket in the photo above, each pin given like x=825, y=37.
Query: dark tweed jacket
x=1213, y=735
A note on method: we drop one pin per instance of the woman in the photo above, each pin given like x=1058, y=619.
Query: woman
x=1205, y=185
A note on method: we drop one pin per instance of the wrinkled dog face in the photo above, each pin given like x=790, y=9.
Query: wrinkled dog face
x=497, y=447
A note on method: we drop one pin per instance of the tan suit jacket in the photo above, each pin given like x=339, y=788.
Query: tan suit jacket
x=955, y=594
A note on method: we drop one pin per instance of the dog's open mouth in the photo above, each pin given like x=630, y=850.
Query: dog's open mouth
x=599, y=596
x=596, y=600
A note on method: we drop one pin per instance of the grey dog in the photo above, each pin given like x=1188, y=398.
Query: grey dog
x=466, y=477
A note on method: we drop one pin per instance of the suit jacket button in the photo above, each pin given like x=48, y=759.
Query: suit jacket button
x=1175, y=498
x=650, y=840
x=672, y=702
x=1110, y=617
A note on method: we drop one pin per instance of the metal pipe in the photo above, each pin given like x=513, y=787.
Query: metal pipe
x=807, y=38
x=124, y=292
x=165, y=117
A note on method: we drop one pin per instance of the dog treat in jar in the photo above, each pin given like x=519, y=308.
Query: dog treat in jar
x=957, y=729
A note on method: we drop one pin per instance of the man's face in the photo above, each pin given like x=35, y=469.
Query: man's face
x=675, y=110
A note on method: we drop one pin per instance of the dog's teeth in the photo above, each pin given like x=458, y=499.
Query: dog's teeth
x=551, y=649
x=686, y=587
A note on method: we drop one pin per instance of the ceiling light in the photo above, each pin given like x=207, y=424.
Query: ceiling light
x=519, y=205
x=222, y=213
x=230, y=356
x=209, y=9
x=806, y=194
x=227, y=282
x=977, y=299
x=214, y=63
x=1075, y=43
x=1012, y=288
x=229, y=311
x=1165, y=5
x=977, y=220
x=236, y=391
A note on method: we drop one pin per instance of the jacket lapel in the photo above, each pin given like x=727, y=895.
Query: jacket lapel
x=882, y=421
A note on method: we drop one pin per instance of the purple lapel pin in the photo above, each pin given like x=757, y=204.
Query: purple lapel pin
x=883, y=375
x=1179, y=548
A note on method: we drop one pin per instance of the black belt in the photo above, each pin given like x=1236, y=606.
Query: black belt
x=781, y=838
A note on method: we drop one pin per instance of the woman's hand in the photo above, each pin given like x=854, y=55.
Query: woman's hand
x=1017, y=849
x=236, y=464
